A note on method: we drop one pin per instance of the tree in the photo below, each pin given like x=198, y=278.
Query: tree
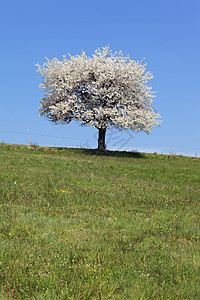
x=106, y=90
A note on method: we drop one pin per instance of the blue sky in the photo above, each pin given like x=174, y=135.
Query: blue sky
x=166, y=33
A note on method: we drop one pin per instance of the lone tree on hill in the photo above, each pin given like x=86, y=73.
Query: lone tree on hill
x=107, y=90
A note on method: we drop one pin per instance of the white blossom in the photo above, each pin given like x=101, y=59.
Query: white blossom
x=105, y=90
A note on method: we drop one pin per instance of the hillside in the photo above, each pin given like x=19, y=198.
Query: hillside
x=84, y=224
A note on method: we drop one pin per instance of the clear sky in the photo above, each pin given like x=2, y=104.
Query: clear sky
x=166, y=33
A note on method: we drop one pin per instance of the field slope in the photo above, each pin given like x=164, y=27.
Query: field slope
x=79, y=224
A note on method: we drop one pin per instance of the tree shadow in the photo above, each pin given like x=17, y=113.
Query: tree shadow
x=107, y=153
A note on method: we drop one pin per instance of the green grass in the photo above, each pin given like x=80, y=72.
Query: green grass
x=82, y=224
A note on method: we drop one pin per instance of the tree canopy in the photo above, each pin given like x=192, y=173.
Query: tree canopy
x=105, y=90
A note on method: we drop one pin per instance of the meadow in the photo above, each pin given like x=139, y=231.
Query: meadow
x=84, y=224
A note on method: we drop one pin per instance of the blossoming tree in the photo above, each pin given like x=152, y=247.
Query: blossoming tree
x=105, y=90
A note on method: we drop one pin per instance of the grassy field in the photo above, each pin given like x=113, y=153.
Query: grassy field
x=79, y=224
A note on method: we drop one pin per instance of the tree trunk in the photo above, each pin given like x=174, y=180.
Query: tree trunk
x=101, y=139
